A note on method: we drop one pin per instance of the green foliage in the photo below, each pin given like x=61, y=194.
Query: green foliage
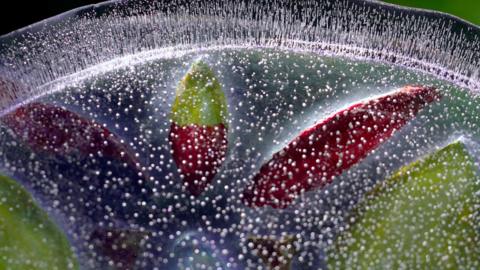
x=424, y=217
x=466, y=9
x=199, y=98
x=28, y=238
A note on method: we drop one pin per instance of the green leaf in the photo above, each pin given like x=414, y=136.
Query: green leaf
x=28, y=238
x=199, y=98
x=424, y=217
x=465, y=9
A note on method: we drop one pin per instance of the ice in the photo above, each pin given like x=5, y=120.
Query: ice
x=83, y=38
x=283, y=67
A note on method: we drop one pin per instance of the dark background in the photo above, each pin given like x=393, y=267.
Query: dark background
x=17, y=13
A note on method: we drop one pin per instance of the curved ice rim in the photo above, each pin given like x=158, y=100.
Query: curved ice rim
x=57, y=17
x=326, y=49
x=322, y=48
x=110, y=2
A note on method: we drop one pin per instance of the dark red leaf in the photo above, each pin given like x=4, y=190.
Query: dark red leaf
x=327, y=149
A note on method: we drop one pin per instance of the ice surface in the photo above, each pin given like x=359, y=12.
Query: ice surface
x=272, y=96
x=126, y=32
x=282, y=67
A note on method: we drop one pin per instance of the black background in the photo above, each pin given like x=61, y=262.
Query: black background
x=17, y=14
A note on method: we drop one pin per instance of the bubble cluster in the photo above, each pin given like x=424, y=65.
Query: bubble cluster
x=222, y=135
x=120, y=196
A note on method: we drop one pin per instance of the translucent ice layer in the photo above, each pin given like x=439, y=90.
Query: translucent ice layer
x=98, y=102
x=36, y=59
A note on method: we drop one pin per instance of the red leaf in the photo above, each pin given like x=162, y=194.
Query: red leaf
x=55, y=130
x=198, y=151
x=121, y=246
x=327, y=149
